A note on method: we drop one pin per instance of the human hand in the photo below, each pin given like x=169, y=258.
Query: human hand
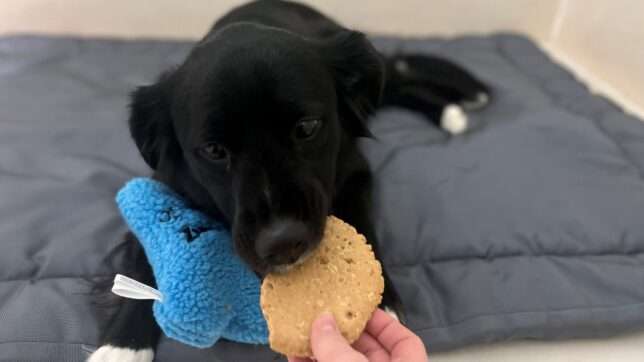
x=383, y=340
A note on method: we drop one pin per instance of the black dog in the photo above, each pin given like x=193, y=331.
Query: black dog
x=257, y=128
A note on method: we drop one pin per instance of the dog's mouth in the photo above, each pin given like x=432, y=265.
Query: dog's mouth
x=284, y=268
x=261, y=267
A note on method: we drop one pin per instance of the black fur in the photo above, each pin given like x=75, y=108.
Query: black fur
x=225, y=128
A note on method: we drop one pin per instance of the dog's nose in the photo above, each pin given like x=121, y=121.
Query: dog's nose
x=283, y=242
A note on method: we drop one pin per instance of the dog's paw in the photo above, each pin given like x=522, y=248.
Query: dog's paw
x=453, y=119
x=109, y=353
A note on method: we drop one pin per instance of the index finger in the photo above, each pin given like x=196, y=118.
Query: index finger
x=396, y=338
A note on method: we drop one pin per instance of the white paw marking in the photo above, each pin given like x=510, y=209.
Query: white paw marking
x=481, y=100
x=109, y=353
x=392, y=313
x=453, y=119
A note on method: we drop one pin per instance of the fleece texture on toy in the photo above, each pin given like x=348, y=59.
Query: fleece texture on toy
x=208, y=293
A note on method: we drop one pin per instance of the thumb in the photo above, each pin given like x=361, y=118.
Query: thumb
x=329, y=345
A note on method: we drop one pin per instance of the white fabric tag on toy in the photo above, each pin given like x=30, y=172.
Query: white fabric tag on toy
x=130, y=288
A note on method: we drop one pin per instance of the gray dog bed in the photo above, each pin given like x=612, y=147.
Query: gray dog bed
x=529, y=226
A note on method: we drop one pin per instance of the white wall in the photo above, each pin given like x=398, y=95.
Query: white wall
x=602, y=40
x=605, y=38
x=191, y=18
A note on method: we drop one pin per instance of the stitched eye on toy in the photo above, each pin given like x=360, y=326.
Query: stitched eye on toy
x=214, y=151
x=306, y=129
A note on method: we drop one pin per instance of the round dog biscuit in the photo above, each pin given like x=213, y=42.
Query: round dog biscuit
x=342, y=277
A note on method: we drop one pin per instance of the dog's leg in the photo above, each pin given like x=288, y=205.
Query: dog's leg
x=441, y=90
x=133, y=334
x=353, y=204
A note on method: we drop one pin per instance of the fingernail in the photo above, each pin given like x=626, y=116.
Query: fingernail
x=326, y=322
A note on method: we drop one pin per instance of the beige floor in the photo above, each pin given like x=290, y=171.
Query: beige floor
x=627, y=348
x=602, y=41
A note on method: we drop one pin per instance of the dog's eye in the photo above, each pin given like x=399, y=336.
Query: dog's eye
x=215, y=152
x=306, y=129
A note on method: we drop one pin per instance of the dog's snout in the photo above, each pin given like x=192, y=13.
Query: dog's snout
x=283, y=242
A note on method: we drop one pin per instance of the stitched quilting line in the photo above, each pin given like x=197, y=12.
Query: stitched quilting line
x=81, y=344
x=563, y=310
x=84, y=348
x=461, y=258
x=17, y=280
x=596, y=121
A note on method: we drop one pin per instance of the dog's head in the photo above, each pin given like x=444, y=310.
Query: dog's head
x=251, y=128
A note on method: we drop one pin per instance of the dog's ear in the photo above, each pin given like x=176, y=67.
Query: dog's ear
x=150, y=121
x=360, y=77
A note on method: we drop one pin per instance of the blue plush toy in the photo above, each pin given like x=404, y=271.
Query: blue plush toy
x=207, y=292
